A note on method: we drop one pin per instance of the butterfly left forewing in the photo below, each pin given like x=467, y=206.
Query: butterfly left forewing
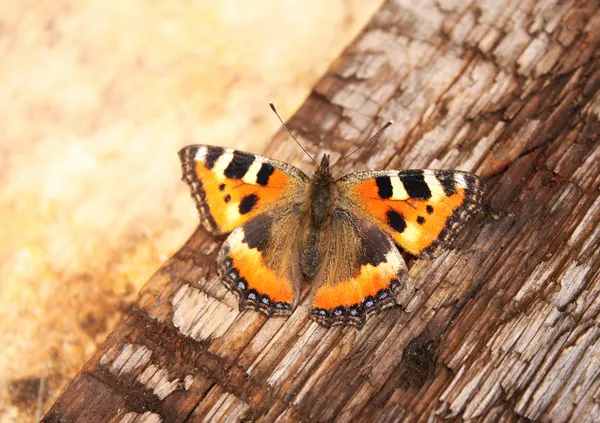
x=422, y=210
x=230, y=187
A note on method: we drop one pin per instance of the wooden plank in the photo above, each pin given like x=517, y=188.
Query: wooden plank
x=503, y=327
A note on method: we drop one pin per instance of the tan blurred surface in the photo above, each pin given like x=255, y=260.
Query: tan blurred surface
x=95, y=100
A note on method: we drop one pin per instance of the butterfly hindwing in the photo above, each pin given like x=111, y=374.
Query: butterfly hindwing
x=422, y=210
x=361, y=272
x=260, y=264
x=231, y=187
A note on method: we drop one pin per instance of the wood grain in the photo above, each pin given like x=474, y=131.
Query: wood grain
x=503, y=327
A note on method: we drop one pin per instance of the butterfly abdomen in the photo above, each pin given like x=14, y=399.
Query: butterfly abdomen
x=311, y=250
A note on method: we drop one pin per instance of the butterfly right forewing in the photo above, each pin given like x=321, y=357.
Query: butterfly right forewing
x=422, y=210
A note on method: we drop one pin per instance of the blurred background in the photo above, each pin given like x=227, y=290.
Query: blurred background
x=96, y=98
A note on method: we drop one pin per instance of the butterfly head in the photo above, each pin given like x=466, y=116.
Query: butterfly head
x=325, y=163
x=322, y=175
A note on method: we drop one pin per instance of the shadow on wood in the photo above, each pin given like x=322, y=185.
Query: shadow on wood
x=502, y=327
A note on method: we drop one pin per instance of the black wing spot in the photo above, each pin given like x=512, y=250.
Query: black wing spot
x=212, y=155
x=420, y=220
x=384, y=184
x=238, y=166
x=415, y=185
x=447, y=182
x=256, y=230
x=370, y=235
x=262, y=177
x=396, y=221
x=221, y=187
x=227, y=198
x=248, y=203
x=429, y=209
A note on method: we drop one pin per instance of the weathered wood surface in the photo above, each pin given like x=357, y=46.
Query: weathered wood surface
x=504, y=327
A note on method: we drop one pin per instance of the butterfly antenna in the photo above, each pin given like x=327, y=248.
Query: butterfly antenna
x=290, y=132
x=388, y=123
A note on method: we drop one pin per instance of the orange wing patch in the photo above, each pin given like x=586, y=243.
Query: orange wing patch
x=410, y=223
x=368, y=283
x=232, y=202
x=231, y=187
x=373, y=289
x=421, y=209
x=256, y=285
x=373, y=274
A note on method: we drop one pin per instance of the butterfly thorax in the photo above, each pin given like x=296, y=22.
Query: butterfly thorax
x=321, y=194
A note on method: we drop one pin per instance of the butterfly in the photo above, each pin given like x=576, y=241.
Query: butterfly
x=338, y=234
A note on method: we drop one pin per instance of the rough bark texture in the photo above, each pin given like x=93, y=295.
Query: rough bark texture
x=504, y=327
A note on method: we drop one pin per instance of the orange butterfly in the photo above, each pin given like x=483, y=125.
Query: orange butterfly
x=287, y=228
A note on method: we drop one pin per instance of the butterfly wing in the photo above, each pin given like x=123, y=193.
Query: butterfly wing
x=259, y=262
x=361, y=273
x=231, y=187
x=422, y=210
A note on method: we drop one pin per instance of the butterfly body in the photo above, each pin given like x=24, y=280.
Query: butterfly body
x=339, y=236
